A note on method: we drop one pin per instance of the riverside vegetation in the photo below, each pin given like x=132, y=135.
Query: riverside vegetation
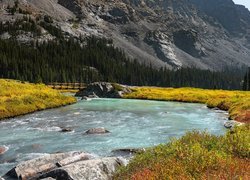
x=196, y=155
x=19, y=98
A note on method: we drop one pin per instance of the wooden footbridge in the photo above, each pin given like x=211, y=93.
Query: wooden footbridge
x=67, y=86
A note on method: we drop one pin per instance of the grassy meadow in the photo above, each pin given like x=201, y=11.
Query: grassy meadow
x=236, y=102
x=196, y=155
x=19, y=98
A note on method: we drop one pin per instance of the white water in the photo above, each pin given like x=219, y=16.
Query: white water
x=133, y=124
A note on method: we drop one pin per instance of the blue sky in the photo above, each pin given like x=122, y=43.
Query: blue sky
x=243, y=2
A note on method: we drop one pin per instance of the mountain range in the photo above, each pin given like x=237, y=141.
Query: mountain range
x=207, y=34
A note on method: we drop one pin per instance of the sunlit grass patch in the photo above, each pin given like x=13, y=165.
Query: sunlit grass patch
x=18, y=98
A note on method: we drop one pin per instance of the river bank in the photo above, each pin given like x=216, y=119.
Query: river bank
x=20, y=98
x=237, y=103
x=196, y=155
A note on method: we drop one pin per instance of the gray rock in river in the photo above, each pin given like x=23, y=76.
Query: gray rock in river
x=33, y=168
x=96, y=169
x=66, y=130
x=127, y=151
x=103, y=90
x=97, y=131
x=231, y=124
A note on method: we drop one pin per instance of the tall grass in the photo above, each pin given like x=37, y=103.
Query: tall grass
x=236, y=102
x=19, y=98
x=197, y=155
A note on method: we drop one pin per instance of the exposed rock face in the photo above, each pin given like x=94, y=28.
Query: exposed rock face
x=226, y=12
x=97, y=131
x=164, y=33
x=33, y=168
x=101, y=169
x=103, y=90
x=188, y=42
x=72, y=6
x=66, y=166
x=231, y=124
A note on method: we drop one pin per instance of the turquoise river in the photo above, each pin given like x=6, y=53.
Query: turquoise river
x=132, y=123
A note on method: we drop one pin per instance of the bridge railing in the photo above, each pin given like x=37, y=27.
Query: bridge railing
x=70, y=86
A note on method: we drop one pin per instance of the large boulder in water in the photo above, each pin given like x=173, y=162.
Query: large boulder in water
x=104, y=90
x=97, y=131
x=32, y=169
x=101, y=169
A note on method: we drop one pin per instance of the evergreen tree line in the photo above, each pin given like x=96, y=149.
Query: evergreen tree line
x=98, y=60
x=246, y=83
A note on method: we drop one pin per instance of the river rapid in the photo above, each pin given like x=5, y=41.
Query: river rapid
x=132, y=123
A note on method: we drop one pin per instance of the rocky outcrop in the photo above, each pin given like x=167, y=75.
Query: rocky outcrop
x=103, y=90
x=101, y=169
x=231, y=124
x=72, y=6
x=66, y=166
x=33, y=168
x=188, y=42
x=97, y=131
x=224, y=11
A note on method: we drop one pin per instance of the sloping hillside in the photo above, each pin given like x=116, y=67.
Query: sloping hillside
x=172, y=33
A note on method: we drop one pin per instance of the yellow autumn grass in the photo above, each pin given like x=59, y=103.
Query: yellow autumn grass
x=236, y=102
x=19, y=98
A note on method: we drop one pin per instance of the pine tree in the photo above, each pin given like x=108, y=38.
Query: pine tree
x=246, y=83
